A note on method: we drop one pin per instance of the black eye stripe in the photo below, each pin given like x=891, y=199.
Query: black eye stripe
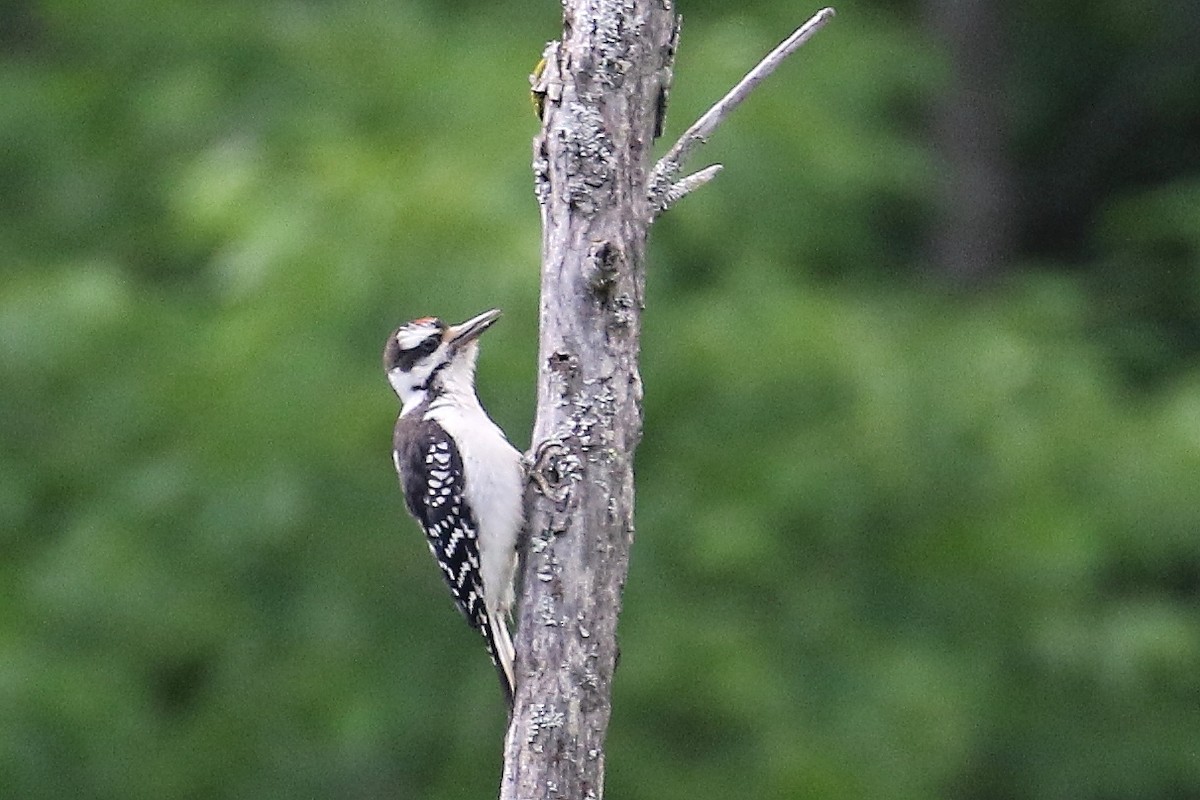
x=407, y=359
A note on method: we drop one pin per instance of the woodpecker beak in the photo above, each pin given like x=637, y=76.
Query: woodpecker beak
x=467, y=332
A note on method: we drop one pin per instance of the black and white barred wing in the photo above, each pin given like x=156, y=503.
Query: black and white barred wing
x=433, y=492
x=431, y=471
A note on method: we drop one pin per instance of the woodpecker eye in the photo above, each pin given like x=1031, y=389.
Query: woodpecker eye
x=428, y=346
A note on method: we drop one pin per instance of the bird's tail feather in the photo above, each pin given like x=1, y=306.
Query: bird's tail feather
x=503, y=655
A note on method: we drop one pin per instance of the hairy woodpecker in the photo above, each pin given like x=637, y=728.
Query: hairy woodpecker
x=462, y=479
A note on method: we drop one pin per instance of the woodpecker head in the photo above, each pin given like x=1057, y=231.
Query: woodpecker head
x=426, y=356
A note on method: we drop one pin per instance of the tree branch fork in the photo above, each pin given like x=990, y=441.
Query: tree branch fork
x=665, y=187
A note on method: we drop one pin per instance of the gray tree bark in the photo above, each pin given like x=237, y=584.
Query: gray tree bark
x=602, y=92
x=591, y=162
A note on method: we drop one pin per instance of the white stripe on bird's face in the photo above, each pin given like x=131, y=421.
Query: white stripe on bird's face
x=413, y=334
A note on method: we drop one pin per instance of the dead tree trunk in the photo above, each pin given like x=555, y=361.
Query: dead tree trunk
x=591, y=162
x=603, y=90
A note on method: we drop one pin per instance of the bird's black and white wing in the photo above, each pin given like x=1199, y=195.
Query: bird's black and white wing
x=431, y=474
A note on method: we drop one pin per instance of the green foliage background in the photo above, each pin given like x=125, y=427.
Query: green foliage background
x=894, y=540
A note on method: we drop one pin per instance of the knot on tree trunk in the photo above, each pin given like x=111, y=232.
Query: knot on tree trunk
x=554, y=470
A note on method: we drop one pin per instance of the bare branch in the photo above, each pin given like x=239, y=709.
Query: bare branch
x=685, y=186
x=705, y=126
x=662, y=180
